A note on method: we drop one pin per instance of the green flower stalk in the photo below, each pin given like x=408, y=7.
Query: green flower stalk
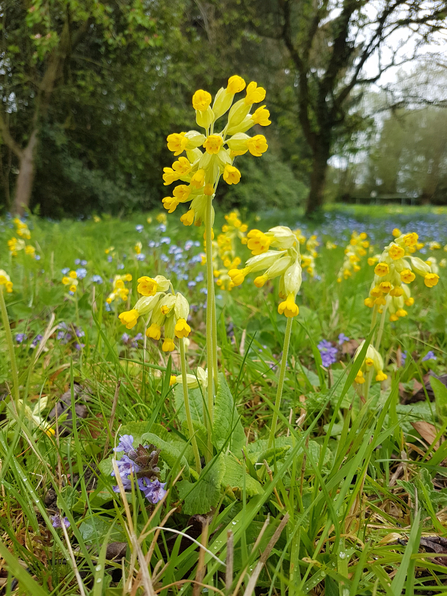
x=6, y=284
x=210, y=156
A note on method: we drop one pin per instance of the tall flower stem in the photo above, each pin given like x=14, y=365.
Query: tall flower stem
x=10, y=344
x=210, y=335
x=377, y=342
x=187, y=406
x=282, y=376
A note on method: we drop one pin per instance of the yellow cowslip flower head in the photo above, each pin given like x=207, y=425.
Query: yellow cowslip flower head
x=354, y=252
x=330, y=245
x=434, y=246
x=5, y=281
x=162, y=309
x=285, y=263
x=148, y=286
x=433, y=264
x=22, y=229
x=396, y=268
x=224, y=250
x=396, y=232
x=200, y=379
x=71, y=281
x=161, y=218
x=372, y=359
x=210, y=156
x=109, y=250
x=300, y=236
x=138, y=248
x=119, y=290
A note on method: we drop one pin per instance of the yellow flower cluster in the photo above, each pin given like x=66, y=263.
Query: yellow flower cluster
x=224, y=249
x=284, y=262
x=15, y=244
x=395, y=269
x=5, y=281
x=168, y=310
x=355, y=250
x=119, y=290
x=71, y=281
x=193, y=381
x=372, y=360
x=201, y=169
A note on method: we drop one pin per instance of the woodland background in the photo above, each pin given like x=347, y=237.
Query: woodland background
x=89, y=91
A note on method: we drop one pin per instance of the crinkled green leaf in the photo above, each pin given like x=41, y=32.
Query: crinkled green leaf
x=95, y=528
x=228, y=431
x=172, y=453
x=258, y=450
x=203, y=495
x=233, y=478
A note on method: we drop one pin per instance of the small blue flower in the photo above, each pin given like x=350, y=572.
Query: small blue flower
x=140, y=257
x=328, y=353
x=81, y=272
x=120, y=266
x=37, y=257
x=403, y=357
x=192, y=284
x=79, y=346
x=429, y=356
x=97, y=279
x=109, y=258
x=161, y=228
x=77, y=261
x=165, y=240
x=139, y=228
x=20, y=337
x=125, y=338
x=57, y=521
x=342, y=338
x=189, y=244
x=65, y=270
x=36, y=341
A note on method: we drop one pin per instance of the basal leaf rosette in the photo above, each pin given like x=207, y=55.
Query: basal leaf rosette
x=277, y=253
x=211, y=154
x=396, y=268
x=166, y=312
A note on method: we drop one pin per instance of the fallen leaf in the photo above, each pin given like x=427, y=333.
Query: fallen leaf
x=428, y=432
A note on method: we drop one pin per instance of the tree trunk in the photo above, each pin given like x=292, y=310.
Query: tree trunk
x=25, y=177
x=317, y=180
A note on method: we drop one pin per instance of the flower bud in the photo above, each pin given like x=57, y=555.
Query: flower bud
x=293, y=279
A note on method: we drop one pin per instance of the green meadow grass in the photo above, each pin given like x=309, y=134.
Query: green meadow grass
x=338, y=505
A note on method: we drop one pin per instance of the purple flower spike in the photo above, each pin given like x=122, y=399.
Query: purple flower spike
x=153, y=491
x=125, y=444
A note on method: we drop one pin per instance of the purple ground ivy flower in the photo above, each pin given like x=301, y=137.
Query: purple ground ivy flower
x=328, y=353
x=403, y=357
x=429, y=356
x=20, y=337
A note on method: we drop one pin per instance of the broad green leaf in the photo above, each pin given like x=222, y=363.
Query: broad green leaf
x=440, y=391
x=204, y=494
x=233, y=478
x=170, y=452
x=96, y=528
x=228, y=432
x=258, y=450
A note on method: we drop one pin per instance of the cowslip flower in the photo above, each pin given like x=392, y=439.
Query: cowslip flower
x=71, y=281
x=5, y=281
x=164, y=310
x=285, y=263
x=355, y=250
x=210, y=155
x=372, y=360
x=119, y=290
x=394, y=270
